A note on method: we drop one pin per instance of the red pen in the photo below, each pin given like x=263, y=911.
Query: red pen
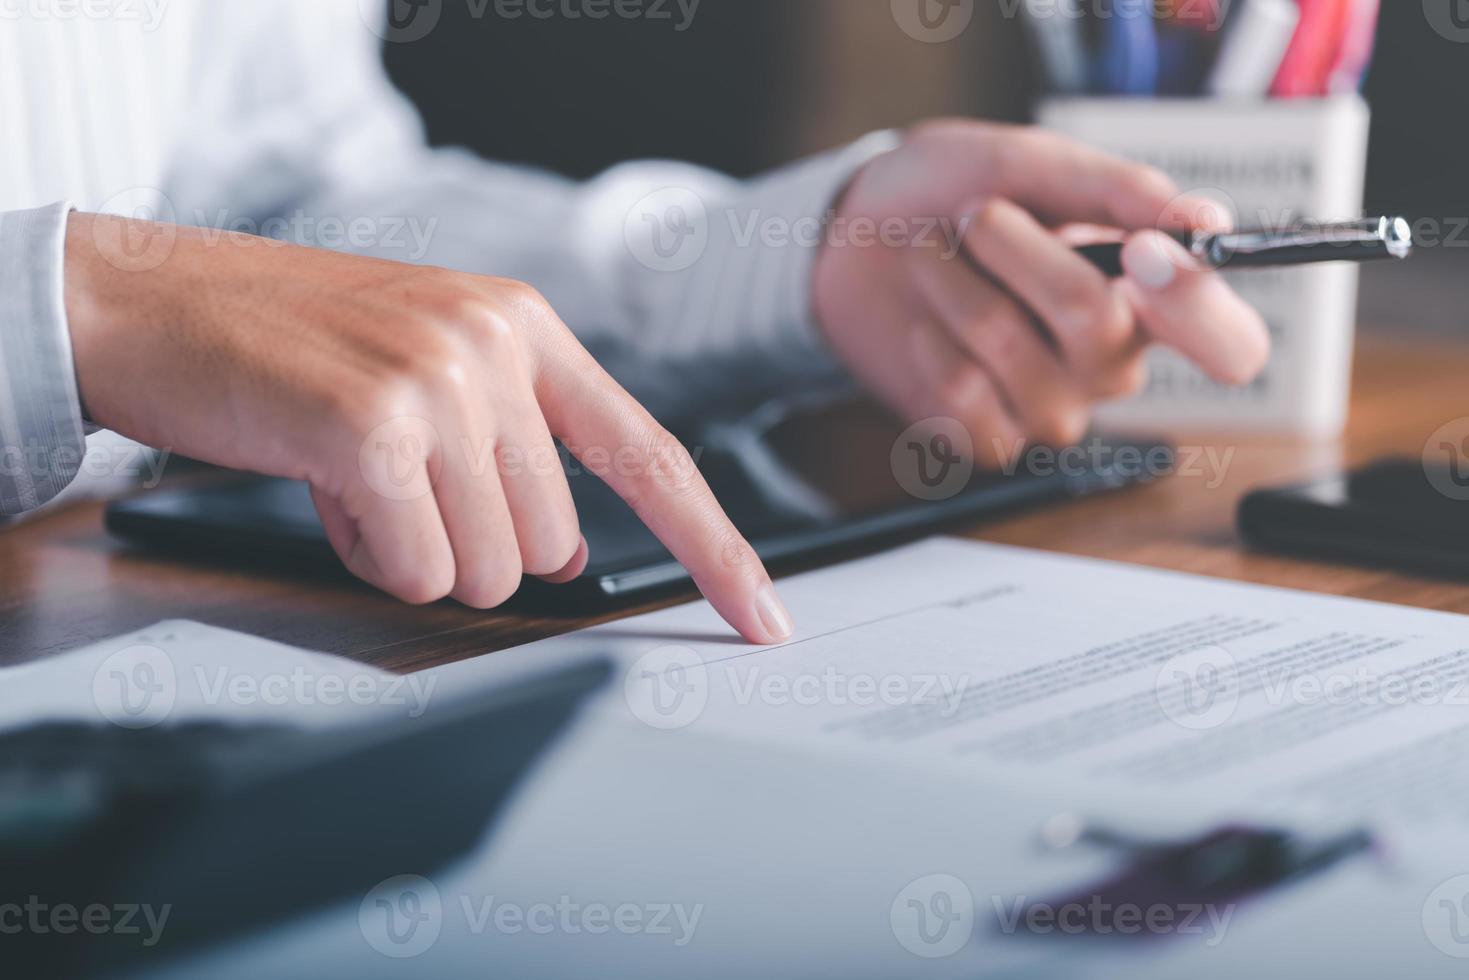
x=1357, y=48
x=1314, y=50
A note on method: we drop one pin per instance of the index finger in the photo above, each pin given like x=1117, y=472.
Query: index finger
x=1062, y=181
x=657, y=477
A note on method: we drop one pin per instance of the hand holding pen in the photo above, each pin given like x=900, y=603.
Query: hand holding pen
x=1005, y=328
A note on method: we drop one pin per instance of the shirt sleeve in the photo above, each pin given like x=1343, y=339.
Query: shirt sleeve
x=40, y=413
x=687, y=284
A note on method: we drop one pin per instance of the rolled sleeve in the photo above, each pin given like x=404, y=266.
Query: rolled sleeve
x=704, y=266
x=40, y=413
x=763, y=253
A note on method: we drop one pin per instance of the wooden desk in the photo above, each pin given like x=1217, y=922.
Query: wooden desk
x=65, y=583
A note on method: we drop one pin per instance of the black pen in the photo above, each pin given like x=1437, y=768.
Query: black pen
x=1348, y=241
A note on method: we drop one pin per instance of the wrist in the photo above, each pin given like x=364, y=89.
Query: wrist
x=105, y=262
x=84, y=301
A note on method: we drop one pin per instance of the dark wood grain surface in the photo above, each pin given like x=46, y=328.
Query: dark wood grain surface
x=65, y=583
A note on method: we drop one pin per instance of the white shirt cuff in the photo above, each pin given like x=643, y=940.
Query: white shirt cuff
x=718, y=270
x=767, y=243
x=40, y=412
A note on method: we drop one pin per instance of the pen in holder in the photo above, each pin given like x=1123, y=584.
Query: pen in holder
x=1272, y=164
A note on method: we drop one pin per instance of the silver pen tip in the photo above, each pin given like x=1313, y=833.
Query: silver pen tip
x=1397, y=234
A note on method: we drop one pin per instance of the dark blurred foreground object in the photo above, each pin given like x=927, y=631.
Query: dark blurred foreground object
x=224, y=829
x=1400, y=513
x=1220, y=869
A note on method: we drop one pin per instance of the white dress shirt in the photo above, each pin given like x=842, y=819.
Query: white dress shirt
x=275, y=117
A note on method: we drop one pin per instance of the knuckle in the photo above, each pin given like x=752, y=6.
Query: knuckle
x=669, y=465
x=735, y=553
x=521, y=299
x=1092, y=319
x=965, y=392
x=1116, y=329
x=459, y=309
x=494, y=333
x=989, y=215
x=512, y=290
x=1005, y=336
x=1082, y=297
x=434, y=359
x=420, y=587
x=361, y=409
x=1063, y=426
x=549, y=552
x=490, y=583
x=413, y=373
x=656, y=466
x=427, y=283
x=1128, y=380
x=444, y=299
x=462, y=318
x=529, y=297
x=1075, y=321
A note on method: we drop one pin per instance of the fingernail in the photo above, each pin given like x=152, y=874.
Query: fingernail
x=773, y=614
x=1148, y=263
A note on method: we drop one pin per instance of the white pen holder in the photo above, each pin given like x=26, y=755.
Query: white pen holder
x=1274, y=163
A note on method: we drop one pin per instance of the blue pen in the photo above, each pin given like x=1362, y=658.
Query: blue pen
x=1128, y=62
x=1182, y=61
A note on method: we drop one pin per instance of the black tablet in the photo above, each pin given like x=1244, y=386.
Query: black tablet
x=797, y=496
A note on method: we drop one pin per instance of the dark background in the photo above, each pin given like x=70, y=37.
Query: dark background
x=753, y=83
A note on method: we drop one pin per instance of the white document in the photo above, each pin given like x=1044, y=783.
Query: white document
x=946, y=654
x=970, y=656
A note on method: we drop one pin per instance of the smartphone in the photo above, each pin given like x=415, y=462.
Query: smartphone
x=1397, y=513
